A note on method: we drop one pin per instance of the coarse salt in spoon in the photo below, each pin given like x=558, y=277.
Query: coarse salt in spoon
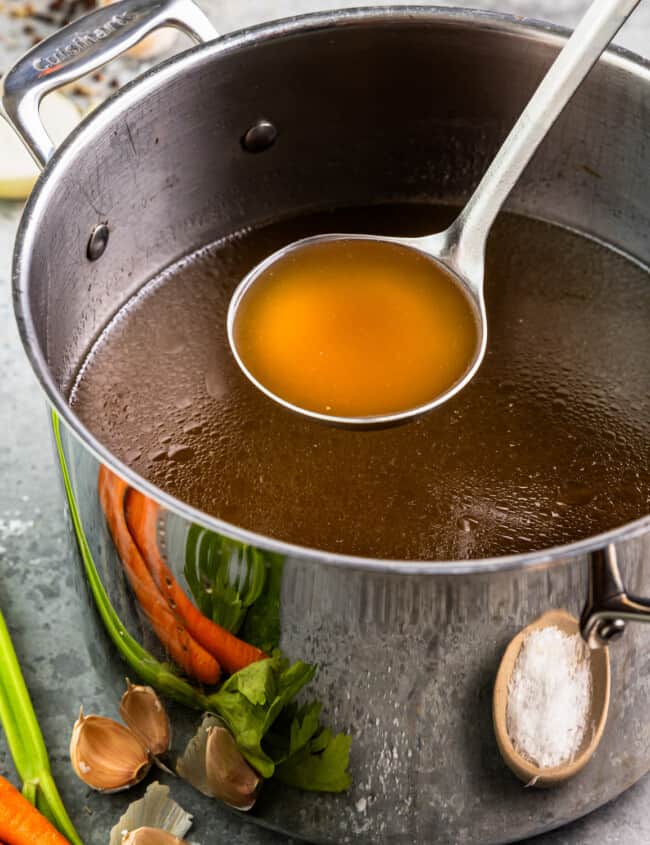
x=595, y=717
x=323, y=386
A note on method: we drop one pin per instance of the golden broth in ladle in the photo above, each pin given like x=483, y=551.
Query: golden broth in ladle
x=356, y=328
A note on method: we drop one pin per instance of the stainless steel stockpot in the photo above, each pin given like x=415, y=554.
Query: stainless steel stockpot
x=368, y=106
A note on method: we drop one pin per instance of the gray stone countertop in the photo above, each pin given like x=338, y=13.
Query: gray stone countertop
x=36, y=589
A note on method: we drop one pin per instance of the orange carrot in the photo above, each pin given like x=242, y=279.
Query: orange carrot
x=21, y=823
x=189, y=655
x=231, y=652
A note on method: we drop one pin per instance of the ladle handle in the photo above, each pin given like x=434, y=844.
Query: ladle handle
x=84, y=46
x=467, y=236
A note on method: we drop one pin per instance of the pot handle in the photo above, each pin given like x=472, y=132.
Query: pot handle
x=608, y=604
x=82, y=47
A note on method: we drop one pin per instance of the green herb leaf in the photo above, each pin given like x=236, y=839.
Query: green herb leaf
x=252, y=699
x=321, y=765
x=304, y=725
x=307, y=755
x=257, y=682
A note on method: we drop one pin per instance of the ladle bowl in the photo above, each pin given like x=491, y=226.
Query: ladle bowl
x=422, y=245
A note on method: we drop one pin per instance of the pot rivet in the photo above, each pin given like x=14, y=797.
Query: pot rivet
x=97, y=242
x=259, y=137
x=611, y=631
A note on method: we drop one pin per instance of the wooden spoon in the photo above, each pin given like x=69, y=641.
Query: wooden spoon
x=600, y=684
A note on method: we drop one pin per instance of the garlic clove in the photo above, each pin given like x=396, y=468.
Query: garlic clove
x=213, y=764
x=154, y=810
x=229, y=776
x=151, y=836
x=144, y=713
x=105, y=755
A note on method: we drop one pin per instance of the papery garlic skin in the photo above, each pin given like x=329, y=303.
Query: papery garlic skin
x=151, y=836
x=156, y=809
x=105, y=755
x=191, y=764
x=143, y=712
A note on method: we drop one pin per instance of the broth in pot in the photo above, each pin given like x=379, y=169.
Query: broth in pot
x=547, y=445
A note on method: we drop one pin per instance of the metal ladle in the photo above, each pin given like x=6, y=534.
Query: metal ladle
x=460, y=249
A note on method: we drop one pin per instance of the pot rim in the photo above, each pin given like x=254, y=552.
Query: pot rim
x=162, y=74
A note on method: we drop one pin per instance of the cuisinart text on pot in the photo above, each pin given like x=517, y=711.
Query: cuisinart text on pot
x=81, y=42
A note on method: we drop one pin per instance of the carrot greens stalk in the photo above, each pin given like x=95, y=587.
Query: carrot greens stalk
x=27, y=746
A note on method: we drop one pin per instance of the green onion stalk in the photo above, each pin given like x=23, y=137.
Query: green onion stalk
x=25, y=740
